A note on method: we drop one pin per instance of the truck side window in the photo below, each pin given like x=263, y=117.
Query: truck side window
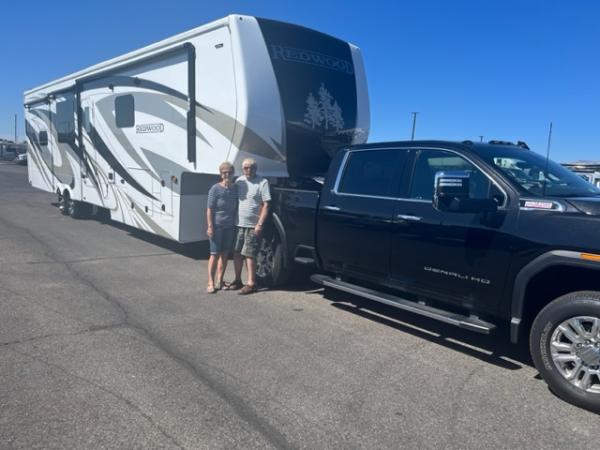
x=372, y=172
x=124, y=111
x=431, y=161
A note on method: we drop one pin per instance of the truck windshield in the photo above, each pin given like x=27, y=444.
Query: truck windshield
x=534, y=176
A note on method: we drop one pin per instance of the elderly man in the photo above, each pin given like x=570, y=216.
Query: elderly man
x=253, y=209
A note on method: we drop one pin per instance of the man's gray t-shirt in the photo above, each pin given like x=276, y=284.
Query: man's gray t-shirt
x=251, y=194
x=223, y=203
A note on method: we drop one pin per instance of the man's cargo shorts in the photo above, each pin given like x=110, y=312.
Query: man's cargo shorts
x=246, y=242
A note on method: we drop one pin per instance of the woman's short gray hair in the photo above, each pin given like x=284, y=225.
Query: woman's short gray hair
x=226, y=166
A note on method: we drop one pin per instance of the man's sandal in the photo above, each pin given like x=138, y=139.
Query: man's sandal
x=248, y=289
x=233, y=286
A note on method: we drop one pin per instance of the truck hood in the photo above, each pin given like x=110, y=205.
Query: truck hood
x=587, y=205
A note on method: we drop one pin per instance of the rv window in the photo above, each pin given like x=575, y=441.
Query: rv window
x=372, y=172
x=86, y=119
x=124, y=111
x=43, y=138
x=65, y=120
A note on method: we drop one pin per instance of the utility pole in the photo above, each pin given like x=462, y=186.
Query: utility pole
x=414, y=114
x=15, y=128
x=480, y=138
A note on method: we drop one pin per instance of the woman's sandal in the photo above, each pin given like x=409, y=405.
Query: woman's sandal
x=233, y=286
x=210, y=289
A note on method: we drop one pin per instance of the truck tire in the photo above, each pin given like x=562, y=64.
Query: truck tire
x=270, y=263
x=565, y=347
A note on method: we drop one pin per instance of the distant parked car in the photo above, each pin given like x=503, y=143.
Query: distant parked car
x=21, y=159
x=7, y=155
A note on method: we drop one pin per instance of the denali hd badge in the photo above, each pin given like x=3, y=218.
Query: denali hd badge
x=150, y=128
x=459, y=276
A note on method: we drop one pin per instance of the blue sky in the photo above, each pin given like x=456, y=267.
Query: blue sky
x=501, y=69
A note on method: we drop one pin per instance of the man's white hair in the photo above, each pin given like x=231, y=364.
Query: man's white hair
x=250, y=161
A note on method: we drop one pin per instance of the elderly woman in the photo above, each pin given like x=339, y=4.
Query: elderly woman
x=221, y=214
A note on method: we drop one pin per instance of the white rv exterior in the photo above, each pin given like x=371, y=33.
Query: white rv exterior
x=142, y=135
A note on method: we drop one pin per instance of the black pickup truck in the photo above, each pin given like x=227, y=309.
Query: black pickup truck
x=471, y=234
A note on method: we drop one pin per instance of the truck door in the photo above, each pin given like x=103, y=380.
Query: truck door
x=355, y=216
x=458, y=257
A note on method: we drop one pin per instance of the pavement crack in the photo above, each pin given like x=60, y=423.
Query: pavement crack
x=107, y=258
x=51, y=335
x=245, y=411
x=116, y=395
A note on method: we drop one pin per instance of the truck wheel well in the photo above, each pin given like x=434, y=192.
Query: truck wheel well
x=543, y=288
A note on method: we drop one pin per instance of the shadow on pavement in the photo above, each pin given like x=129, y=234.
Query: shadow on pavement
x=195, y=250
x=494, y=349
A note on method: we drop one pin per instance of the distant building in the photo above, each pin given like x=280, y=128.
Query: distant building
x=588, y=170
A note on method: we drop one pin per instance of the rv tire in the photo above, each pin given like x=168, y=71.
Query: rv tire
x=77, y=210
x=63, y=206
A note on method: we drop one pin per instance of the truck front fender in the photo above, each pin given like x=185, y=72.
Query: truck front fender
x=542, y=262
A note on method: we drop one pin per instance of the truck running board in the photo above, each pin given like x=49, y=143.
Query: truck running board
x=467, y=322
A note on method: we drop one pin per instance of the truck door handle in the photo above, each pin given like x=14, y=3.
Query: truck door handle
x=331, y=208
x=409, y=217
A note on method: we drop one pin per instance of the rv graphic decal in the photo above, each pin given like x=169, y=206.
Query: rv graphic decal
x=324, y=112
x=304, y=56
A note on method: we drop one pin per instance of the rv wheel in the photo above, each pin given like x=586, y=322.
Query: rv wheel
x=77, y=210
x=63, y=204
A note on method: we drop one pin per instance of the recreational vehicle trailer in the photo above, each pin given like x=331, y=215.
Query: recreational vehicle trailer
x=143, y=134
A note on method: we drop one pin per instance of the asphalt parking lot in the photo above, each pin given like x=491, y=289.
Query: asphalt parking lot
x=108, y=340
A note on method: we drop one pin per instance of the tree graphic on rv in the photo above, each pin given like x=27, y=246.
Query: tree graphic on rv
x=313, y=115
x=324, y=112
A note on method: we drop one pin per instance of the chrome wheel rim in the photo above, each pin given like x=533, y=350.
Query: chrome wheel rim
x=575, y=351
x=265, y=259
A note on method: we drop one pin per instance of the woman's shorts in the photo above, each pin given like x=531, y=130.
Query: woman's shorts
x=222, y=240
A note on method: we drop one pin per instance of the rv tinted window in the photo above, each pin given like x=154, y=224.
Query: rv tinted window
x=43, y=138
x=86, y=119
x=372, y=172
x=65, y=120
x=124, y=111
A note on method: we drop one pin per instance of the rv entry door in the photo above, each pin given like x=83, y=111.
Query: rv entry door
x=91, y=189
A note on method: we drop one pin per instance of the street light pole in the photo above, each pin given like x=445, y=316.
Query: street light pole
x=414, y=125
x=15, y=128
